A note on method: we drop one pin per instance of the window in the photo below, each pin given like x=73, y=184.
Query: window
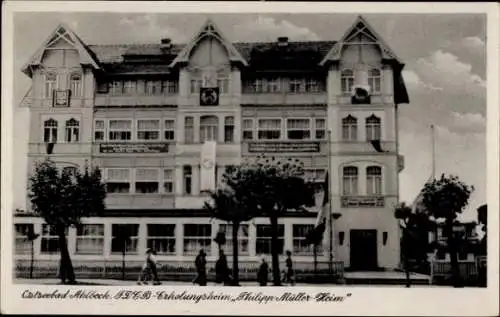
x=130, y=87
x=141, y=87
x=146, y=181
x=223, y=84
x=316, y=177
x=300, y=245
x=272, y=85
x=188, y=130
x=320, y=129
x=49, y=240
x=374, y=180
x=76, y=85
x=188, y=173
x=169, y=87
x=209, y=126
x=70, y=170
x=124, y=236
x=313, y=85
x=168, y=181
x=117, y=180
x=116, y=87
x=90, y=239
x=50, y=131
x=374, y=80
x=297, y=85
x=298, y=129
x=148, y=130
x=169, y=129
x=153, y=87
x=346, y=81
x=120, y=130
x=260, y=85
x=50, y=85
x=247, y=129
x=99, y=130
x=350, y=179
x=349, y=128
x=195, y=86
x=263, y=242
x=269, y=129
x=197, y=237
x=373, y=129
x=228, y=129
x=161, y=238
x=23, y=245
x=72, y=130
x=242, y=239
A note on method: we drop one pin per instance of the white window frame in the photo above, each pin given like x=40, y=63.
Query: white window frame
x=352, y=129
x=49, y=85
x=374, y=182
x=375, y=80
x=138, y=130
x=22, y=244
x=299, y=247
x=224, y=84
x=207, y=238
x=169, y=87
x=92, y=237
x=72, y=131
x=191, y=130
x=318, y=130
x=153, y=87
x=76, y=85
x=147, y=180
x=246, y=129
x=169, y=180
x=116, y=87
x=310, y=128
x=45, y=237
x=168, y=129
x=242, y=239
x=128, y=180
x=211, y=130
x=229, y=129
x=346, y=81
x=102, y=130
x=372, y=128
x=133, y=246
x=53, y=130
x=269, y=118
x=273, y=85
x=313, y=85
x=130, y=87
x=267, y=239
x=353, y=180
x=110, y=130
x=297, y=82
x=194, y=85
x=151, y=241
x=185, y=177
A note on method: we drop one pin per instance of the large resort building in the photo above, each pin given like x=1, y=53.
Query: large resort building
x=147, y=116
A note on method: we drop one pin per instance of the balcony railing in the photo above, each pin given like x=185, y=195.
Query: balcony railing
x=307, y=98
x=135, y=100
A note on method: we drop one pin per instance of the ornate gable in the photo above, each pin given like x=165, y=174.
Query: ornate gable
x=360, y=29
x=209, y=29
x=62, y=37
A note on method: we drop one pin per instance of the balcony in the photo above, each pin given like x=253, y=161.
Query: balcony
x=362, y=201
x=138, y=201
x=223, y=149
x=364, y=147
x=109, y=100
x=374, y=100
x=283, y=98
x=60, y=148
x=285, y=148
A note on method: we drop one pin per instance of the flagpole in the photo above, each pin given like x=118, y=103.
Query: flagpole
x=433, y=152
x=330, y=216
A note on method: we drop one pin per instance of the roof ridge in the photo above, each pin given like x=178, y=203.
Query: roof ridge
x=178, y=44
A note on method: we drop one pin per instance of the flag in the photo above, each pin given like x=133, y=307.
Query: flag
x=377, y=146
x=316, y=234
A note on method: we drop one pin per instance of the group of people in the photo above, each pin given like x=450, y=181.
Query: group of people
x=149, y=271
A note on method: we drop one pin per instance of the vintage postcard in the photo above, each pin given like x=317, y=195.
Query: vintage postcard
x=263, y=158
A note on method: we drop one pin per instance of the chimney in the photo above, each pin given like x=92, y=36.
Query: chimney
x=282, y=41
x=166, y=44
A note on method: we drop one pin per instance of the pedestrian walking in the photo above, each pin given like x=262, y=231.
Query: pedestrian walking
x=201, y=269
x=222, y=275
x=149, y=269
x=289, y=274
x=262, y=274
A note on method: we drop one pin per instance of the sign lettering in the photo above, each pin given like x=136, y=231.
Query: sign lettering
x=362, y=201
x=284, y=147
x=133, y=148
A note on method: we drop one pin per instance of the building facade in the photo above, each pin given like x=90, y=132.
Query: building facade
x=146, y=115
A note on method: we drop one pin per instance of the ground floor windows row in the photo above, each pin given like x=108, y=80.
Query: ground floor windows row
x=165, y=239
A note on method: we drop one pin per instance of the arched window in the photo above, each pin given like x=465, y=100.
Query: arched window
x=350, y=180
x=349, y=128
x=209, y=125
x=50, y=84
x=228, y=129
x=374, y=180
x=72, y=130
x=76, y=85
x=373, y=128
x=374, y=80
x=50, y=131
x=347, y=81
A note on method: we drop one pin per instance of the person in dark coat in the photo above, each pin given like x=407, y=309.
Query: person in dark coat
x=290, y=275
x=263, y=272
x=201, y=269
x=149, y=269
x=222, y=269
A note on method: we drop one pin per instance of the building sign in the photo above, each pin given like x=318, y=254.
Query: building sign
x=61, y=98
x=133, y=148
x=274, y=147
x=209, y=96
x=362, y=201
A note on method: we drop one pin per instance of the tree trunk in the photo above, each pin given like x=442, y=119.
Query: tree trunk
x=66, y=271
x=406, y=251
x=452, y=249
x=274, y=251
x=123, y=260
x=315, y=254
x=236, y=279
x=32, y=258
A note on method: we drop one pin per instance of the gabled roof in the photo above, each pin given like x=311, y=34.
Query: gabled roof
x=209, y=29
x=360, y=26
x=64, y=33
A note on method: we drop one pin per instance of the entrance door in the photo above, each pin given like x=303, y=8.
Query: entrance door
x=363, y=249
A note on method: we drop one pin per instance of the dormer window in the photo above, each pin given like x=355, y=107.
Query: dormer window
x=76, y=85
x=50, y=84
x=374, y=80
x=347, y=81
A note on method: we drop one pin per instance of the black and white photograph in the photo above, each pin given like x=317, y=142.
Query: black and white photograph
x=227, y=151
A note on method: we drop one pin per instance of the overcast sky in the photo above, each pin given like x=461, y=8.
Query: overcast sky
x=444, y=73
